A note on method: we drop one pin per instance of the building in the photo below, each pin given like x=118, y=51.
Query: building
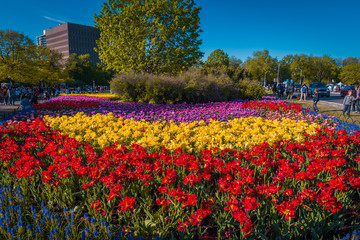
x=41, y=40
x=71, y=38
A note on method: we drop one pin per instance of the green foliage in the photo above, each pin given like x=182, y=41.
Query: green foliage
x=250, y=89
x=235, y=70
x=207, y=88
x=17, y=53
x=350, y=60
x=350, y=74
x=323, y=67
x=311, y=68
x=144, y=87
x=50, y=67
x=80, y=71
x=27, y=63
x=261, y=63
x=189, y=87
x=217, y=58
x=151, y=36
x=314, y=69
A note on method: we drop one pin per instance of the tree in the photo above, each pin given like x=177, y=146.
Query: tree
x=323, y=67
x=17, y=54
x=300, y=67
x=315, y=69
x=233, y=68
x=80, y=71
x=350, y=60
x=152, y=36
x=350, y=74
x=261, y=63
x=236, y=71
x=285, y=69
x=217, y=58
x=27, y=63
x=102, y=75
x=49, y=67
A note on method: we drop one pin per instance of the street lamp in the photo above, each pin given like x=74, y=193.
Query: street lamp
x=265, y=77
x=300, y=73
x=278, y=72
x=93, y=85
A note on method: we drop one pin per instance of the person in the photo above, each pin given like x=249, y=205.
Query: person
x=303, y=92
x=11, y=95
x=274, y=89
x=291, y=90
x=287, y=90
x=1, y=95
x=316, y=99
x=349, y=98
x=357, y=99
x=17, y=94
x=6, y=95
x=34, y=99
x=46, y=95
x=280, y=89
x=25, y=104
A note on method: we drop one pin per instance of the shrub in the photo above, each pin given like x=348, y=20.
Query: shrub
x=250, y=89
x=189, y=87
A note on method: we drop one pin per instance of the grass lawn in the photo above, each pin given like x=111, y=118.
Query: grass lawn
x=330, y=111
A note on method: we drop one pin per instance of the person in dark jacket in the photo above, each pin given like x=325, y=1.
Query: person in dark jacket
x=274, y=89
x=280, y=90
x=316, y=99
x=25, y=103
x=34, y=99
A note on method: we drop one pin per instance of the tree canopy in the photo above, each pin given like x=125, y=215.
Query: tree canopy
x=350, y=73
x=261, y=63
x=217, y=58
x=152, y=36
x=24, y=62
x=80, y=71
x=311, y=68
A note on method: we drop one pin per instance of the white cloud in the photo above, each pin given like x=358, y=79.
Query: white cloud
x=53, y=19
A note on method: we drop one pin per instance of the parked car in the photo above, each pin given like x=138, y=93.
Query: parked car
x=323, y=89
x=344, y=91
x=297, y=87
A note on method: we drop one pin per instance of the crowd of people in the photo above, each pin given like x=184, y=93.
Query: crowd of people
x=31, y=95
x=9, y=94
x=280, y=90
x=351, y=101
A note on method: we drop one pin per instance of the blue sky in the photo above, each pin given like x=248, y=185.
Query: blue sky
x=239, y=27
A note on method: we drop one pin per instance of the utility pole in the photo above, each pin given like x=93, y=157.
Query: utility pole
x=265, y=77
x=278, y=80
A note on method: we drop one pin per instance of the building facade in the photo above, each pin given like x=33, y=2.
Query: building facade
x=41, y=40
x=71, y=38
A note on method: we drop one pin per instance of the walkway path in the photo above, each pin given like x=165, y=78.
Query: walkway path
x=6, y=110
x=332, y=104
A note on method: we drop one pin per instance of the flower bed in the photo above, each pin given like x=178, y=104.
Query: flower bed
x=257, y=169
x=285, y=189
x=239, y=133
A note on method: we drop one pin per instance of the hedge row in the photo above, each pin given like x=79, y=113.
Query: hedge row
x=190, y=87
